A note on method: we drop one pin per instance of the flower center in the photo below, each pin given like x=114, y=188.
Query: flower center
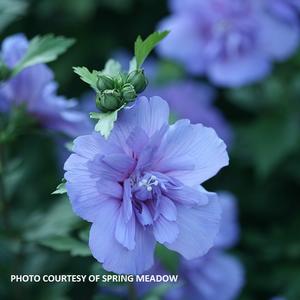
x=148, y=183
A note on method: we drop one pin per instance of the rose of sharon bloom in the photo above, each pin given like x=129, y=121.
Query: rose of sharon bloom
x=233, y=42
x=35, y=88
x=142, y=185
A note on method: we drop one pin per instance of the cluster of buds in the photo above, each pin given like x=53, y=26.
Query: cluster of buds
x=113, y=93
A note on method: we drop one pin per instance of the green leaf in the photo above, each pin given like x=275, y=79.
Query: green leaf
x=112, y=68
x=59, y=220
x=143, y=48
x=43, y=49
x=105, y=122
x=61, y=188
x=87, y=76
x=66, y=243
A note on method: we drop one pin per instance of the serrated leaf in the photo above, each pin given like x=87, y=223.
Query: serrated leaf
x=66, y=243
x=43, y=49
x=105, y=122
x=143, y=48
x=61, y=188
x=112, y=68
x=87, y=76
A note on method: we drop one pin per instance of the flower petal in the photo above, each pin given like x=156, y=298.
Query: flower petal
x=86, y=192
x=125, y=231
x=198, y=228
x=164, y=230
x=115, y=257
x=199, y=145
x=91, y=145
x=150, y=116
x=188, y=195
x=167, y=208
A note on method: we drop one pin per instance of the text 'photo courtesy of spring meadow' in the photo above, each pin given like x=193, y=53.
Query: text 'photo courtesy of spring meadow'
x=149, y=150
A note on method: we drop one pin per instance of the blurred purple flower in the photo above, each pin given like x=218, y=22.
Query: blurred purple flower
x=142, y=185
x=229, y=228
x=36, y=88
x=216, y=276
x=194, y=101
x=232, y=41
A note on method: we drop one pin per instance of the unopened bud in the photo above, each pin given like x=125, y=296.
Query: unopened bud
x=108, y=100
x=128, y=92
x=105, y=83
x=138, y=80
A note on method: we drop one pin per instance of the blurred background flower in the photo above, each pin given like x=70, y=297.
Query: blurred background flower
x=35, y=88
x=232, y=42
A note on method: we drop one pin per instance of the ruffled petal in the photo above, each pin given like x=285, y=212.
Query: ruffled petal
x=167, y=208
x=94, y=144
x=86, y=192
x=198, y=228
x=115, y=257
x=164, y=230
x=125, y=231
x=188, y=196
x=199, y=145
x=147, y=115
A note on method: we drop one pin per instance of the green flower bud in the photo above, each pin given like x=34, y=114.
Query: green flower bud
x=105, y=83
x=138, y=80
x=128, y=92
x=108, y=100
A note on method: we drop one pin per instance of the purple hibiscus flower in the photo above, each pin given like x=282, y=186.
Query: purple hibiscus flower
x=233, y=42
x=36, y=88
x=142, y=185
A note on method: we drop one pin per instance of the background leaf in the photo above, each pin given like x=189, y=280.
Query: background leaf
x=43, y=49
